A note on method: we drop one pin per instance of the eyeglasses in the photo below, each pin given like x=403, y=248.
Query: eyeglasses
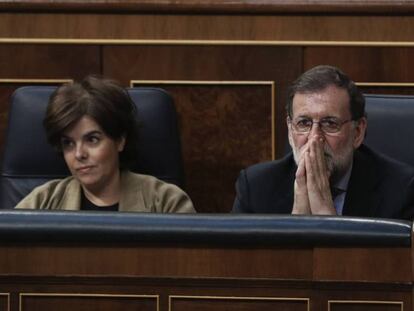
x=328, y=125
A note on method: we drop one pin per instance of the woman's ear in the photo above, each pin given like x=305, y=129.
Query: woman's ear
x=121, y=143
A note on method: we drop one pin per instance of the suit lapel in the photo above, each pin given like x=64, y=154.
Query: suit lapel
x=283, y=196
x=361, y=198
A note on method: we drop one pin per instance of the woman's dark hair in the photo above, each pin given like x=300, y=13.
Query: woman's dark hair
x=105, y=101
x=320, y=77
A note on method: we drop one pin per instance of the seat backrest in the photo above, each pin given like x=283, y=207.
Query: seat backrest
x=29, y=161
x=391, y=125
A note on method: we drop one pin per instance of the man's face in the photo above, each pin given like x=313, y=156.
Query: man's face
x=329, y=103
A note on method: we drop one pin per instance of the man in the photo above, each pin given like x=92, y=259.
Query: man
x=330, y=171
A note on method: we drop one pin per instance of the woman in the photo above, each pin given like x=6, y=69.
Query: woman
x=93, y=124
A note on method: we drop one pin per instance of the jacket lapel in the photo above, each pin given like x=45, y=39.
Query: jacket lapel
x=361, y=198
x=132, y=198
x=283, y=196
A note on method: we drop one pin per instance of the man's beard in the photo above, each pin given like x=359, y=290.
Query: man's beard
x=337, y=165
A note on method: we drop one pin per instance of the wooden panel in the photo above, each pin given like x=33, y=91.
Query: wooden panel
x=85, y=302
x=343, y=295
x=390, y=90
x=150, y=26
x=5, y=92
x=365, y=64
x=218, y=6
x=364, y=265
x=30, y=61
x=157, y=262
x=199, y=278
x=210, y=63
x=199, y=62
x=4, y=301
x=198, y=292
x=178, y=303
x=365, y=306
x=222, y=131
x=224, y=127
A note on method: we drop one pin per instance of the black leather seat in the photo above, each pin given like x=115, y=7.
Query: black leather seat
x=390, y=126
x=29, y=161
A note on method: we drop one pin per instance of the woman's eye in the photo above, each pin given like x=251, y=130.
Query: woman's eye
x=93, y=139
x=66, y=143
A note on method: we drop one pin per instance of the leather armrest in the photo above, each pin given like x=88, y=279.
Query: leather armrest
x=211, y=229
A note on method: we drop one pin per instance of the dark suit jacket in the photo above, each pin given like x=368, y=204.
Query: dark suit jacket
x=379, y=187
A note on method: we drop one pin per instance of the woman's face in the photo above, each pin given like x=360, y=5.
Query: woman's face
x=92, y=156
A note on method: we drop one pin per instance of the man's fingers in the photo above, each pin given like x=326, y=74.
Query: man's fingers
x=317, y=178
x=301, y=199
x=316, y=165
x=301, y=172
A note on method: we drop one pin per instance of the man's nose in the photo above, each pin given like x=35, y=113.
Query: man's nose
x=315, y=129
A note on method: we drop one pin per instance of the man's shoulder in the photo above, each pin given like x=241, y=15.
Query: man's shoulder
x=381, y=186
x=382, y=162
x=281, y=166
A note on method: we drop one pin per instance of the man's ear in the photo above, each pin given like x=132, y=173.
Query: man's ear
x=360, y=130
x=289, y=131
x=121, y=143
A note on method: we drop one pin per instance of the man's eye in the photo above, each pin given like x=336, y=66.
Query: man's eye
x=333, y=124
x=303, y=123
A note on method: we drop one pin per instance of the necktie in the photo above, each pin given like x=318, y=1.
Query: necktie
x=335, y=192
x=337, y=204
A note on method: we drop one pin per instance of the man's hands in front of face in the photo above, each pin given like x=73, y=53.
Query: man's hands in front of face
x=301, y=203
x=312, y=190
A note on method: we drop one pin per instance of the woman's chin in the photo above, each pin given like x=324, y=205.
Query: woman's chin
x=88, y=182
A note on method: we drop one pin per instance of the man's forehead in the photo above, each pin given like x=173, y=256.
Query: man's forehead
x=332, y=98
x=329, y=90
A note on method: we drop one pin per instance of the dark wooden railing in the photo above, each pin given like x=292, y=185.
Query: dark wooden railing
x=122, y=261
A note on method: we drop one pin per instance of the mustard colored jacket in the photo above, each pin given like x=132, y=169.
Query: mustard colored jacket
x=139, y=193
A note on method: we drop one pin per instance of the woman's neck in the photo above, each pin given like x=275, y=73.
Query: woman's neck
x=105, y=195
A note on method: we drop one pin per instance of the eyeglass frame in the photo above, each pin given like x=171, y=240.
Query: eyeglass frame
x=340, y=125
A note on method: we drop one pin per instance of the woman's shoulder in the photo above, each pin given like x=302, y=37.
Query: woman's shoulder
x=43, y=193
x=145, y=181
x=166, y=197
x=54, y=184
